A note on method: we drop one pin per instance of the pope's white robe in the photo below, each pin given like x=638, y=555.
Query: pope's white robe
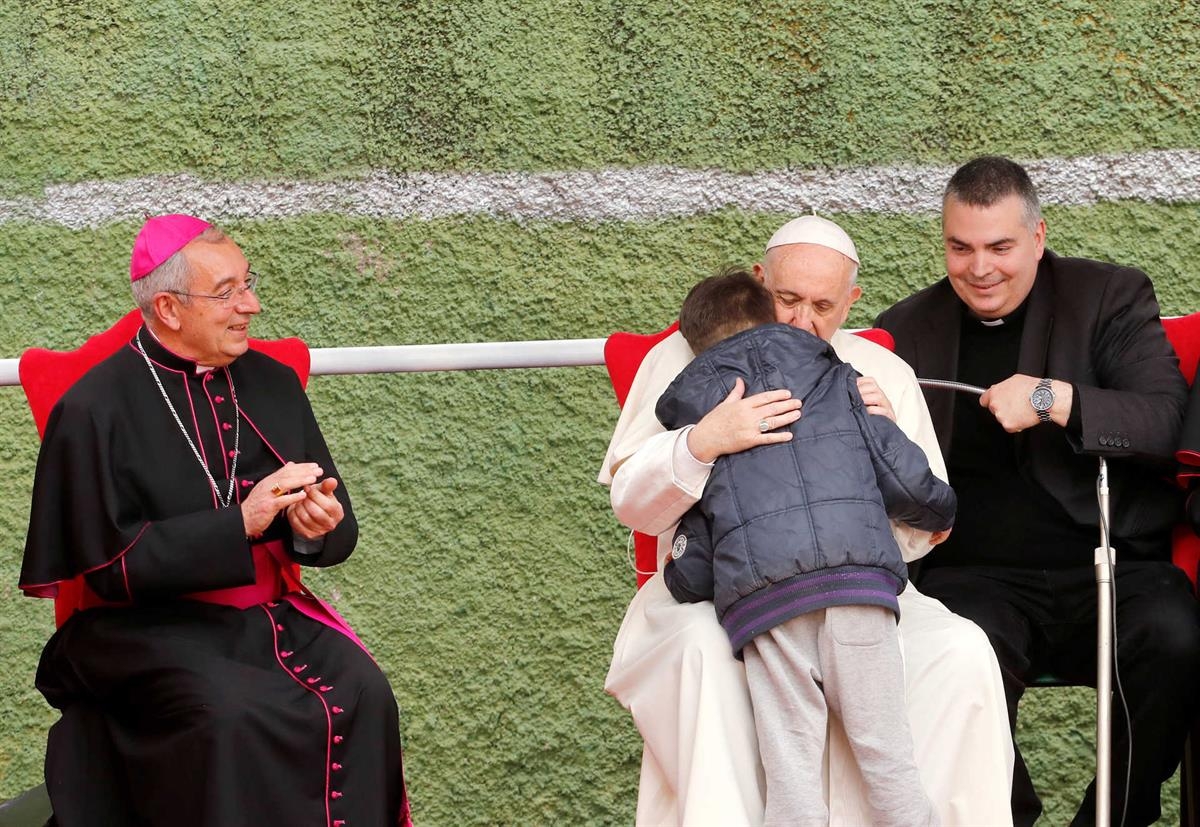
x=673, y=669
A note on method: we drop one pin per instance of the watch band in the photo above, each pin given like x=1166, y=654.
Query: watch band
x=1043, y=414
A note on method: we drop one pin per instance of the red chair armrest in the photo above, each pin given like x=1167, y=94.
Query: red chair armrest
x=1185, y=551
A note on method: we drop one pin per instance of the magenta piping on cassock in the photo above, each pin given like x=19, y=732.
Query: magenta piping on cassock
x=329, y=736
x=50, y=589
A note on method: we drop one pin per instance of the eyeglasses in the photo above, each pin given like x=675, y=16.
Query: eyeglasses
x=227, y=297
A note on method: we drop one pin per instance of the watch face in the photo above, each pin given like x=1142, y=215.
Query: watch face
x=1042, y=399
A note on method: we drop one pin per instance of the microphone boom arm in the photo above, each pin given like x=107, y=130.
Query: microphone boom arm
x=946, y=384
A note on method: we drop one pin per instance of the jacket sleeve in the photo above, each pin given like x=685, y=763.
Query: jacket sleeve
x=911, y=492
x=670, y=410
x=653, y=478
x=337, y=545
x=655, y=485
x=692, y=394
x=1134, y=406
x=689, y=573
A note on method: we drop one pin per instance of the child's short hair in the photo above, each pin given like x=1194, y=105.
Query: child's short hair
x=722, y=305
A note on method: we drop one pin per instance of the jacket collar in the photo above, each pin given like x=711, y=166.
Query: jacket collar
x=1039, y=320
x=937, y=354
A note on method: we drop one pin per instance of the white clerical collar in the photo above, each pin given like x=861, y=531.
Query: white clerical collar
x=1015, y=317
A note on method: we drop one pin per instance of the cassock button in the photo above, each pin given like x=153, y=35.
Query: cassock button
x=313, y=680
x=225, y=426
x=337, y=739
x=232, y=453
x=337, y=710
x=335, y=794
x=218, y=399
x=335, y=766
x=325, y=688
x=1125, y=443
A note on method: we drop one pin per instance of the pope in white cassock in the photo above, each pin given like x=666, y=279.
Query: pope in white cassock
x=672, y=665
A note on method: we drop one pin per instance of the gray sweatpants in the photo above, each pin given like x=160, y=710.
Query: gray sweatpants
x=844, y=660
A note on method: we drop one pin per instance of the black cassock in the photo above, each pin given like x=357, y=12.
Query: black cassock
x=178, y=711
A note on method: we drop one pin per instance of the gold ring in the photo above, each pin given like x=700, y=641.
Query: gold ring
x=277, y=491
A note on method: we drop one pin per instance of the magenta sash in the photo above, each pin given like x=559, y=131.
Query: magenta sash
x=276, y=577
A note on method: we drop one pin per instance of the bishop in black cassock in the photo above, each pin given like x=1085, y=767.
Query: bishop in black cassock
x=205, y=685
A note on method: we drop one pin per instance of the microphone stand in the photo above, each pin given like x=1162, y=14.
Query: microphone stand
x=1105, y=559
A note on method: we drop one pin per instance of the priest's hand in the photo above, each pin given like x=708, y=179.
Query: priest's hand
x=318, y=513
x=1009, y=402
x=276, y=492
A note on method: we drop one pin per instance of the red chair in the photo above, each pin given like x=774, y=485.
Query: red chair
x=47, y=374
x=1184, y=334
x=623, y=355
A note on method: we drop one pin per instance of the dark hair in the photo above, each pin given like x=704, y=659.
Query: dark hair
x=992, y=178
x=722, y=305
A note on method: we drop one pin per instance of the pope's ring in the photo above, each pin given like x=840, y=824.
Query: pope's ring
x=277, y=491
x=763, y=425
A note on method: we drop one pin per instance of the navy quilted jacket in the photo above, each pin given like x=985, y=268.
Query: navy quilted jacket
x=794, y=527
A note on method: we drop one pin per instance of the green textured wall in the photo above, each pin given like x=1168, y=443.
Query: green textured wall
x=491, y=576
x=245, y=88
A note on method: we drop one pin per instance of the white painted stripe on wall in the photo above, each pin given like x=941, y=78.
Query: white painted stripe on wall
x=630, y=194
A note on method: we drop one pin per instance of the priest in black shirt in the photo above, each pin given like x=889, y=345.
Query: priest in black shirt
x=1076, y=367
x=182, y=479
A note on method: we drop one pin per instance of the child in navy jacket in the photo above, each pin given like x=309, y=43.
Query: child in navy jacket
x=792, y=541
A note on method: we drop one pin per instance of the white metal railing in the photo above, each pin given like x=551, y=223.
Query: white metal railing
x=328, y=361
x=8, y=372
x=552, y=353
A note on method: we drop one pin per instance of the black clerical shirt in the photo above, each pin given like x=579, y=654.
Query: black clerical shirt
x=1004, y=517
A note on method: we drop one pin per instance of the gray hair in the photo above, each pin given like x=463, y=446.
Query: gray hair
x=991, y=178
x=172, y=276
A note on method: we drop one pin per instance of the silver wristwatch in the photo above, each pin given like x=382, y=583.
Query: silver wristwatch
x=1042, y=400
